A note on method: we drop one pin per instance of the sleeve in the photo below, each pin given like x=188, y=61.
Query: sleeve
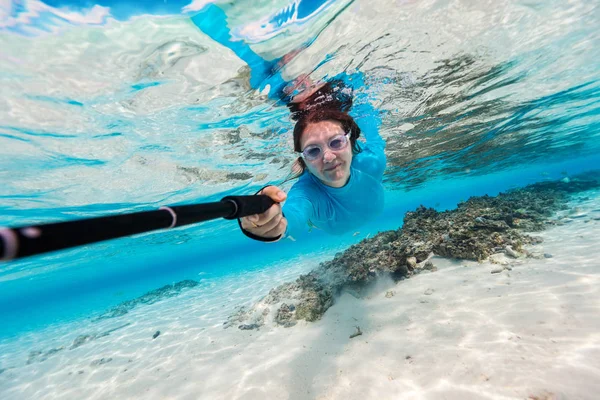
x=372, y=159
x=369, y=121
x=366, y=116
x=298, y=210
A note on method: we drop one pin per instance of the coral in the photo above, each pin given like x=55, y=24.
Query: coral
x=477, y=229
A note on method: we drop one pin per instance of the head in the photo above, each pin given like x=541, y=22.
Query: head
x=318, y=128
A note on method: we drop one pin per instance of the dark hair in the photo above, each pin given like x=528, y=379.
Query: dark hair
x=325, y=114
x=335, y=95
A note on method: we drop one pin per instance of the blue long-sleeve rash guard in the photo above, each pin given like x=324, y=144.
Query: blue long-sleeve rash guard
x=310, y=203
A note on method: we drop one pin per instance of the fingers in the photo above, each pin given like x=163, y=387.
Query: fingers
x=271, y=223
x=274, y=193
x=273, y=228
x=263, y=223
x=279, y=229
x=258, y=221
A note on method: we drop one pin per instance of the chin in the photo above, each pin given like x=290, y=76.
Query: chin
x=338, y=181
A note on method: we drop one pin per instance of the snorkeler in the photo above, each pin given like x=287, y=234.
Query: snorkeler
x=339, y=183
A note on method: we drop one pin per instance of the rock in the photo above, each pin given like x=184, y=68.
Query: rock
x=285, y=316
x=390, y=294
x=411, y=263
x=33, y=355
x=429, y=266
x=534, y=254
x=547, y=255
x=241, y=314
x=39, y=356
x=150, y=297
x=536, y=240
x=156, y=334
x=428, y=292
x=510, y=252
x=497, y=270
x=101, y=361
x=316, y=298
x=80, y=340
x=499, y=258
x=272, y=297
x=578, y=216
x=247, y=327
x=54, y=351
x=483, y=223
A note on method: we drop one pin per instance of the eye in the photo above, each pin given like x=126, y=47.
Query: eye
x=336, y=143
x=312, y=152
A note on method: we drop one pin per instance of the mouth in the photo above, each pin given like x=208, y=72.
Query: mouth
x=333, y=167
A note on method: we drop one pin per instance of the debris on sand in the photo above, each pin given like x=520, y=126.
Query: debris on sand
x=357, y=333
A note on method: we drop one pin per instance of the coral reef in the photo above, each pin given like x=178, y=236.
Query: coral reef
x=479, y=228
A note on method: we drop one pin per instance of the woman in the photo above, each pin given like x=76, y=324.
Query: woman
x=339, y=186
x=340, y=179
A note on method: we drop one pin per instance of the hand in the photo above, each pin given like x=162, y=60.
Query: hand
x=271, y=223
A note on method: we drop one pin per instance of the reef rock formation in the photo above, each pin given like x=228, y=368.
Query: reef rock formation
x=475, y=230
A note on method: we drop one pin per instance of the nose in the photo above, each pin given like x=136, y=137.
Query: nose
x=328, y=156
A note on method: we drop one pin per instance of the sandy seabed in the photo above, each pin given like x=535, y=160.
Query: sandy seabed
x=461, y=332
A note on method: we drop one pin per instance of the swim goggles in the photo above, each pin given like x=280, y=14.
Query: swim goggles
x=314, y=151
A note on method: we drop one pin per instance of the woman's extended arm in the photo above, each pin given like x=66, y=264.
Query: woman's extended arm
x=297, y=210
x=274, y=223
x=369, y=121
x=372, y=159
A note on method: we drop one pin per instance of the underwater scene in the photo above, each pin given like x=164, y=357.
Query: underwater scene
x=300, y=199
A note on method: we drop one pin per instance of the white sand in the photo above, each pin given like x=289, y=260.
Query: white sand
x=533, y=332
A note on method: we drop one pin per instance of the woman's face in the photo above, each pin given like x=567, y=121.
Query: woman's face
x=331, y=167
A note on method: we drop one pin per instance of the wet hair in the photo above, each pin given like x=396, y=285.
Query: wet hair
x=335, y=95
x=324, y=114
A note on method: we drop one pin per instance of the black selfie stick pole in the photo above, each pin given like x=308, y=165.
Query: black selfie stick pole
x=30, y=240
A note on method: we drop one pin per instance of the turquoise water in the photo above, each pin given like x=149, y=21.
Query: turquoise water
x=117, y=107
